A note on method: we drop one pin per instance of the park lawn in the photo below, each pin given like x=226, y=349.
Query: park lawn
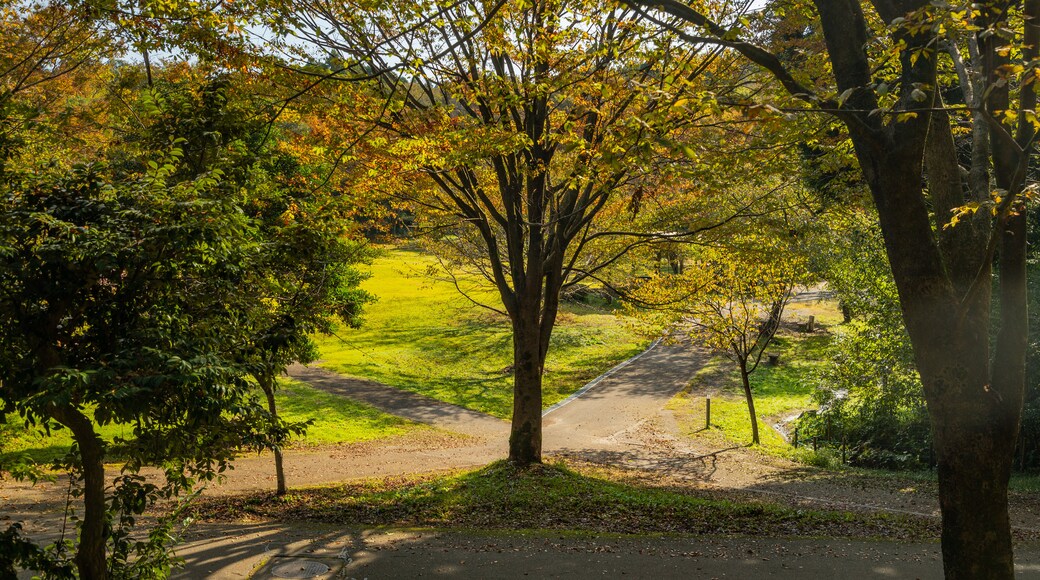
x=779, y=391
x=336, y=420
x=424, y=336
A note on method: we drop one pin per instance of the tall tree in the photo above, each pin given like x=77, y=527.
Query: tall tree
x=885, y=58
x=526, y=120
x=303, y=281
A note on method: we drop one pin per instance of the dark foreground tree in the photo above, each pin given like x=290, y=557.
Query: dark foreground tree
x=884, y=56
x=120, y=267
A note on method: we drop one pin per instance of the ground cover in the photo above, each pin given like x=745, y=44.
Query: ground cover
x=336, y=420
x=781, y=392
x=424, y=336
x=557, y=497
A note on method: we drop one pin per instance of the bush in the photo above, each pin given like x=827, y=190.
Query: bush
x=870, y=398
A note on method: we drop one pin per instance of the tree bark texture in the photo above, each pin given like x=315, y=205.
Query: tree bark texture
x=525, y=437
x=91, y=558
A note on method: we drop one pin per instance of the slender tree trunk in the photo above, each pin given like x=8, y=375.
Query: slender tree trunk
x=91, y=560
x=846, y=312
x=745, y=378
x=525, y=437
x=267, y=384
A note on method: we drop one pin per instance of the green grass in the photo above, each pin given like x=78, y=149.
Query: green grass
x=556, y=497
x=779, y=391
x=424, y=336
x=336, y=420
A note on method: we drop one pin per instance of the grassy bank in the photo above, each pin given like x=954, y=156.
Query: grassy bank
x=556, y=497
x=424, y=336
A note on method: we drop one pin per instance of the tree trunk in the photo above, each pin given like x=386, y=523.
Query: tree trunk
x=974, y=412
x=974, y=436
x=525, y=437
x=846, y=312
x=745, y=378
x=976, y=530
x=91, y=560
x=267, y=384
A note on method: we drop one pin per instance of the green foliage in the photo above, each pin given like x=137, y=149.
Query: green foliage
x=113, y=291
x=871, y=398
x=145, y=276
x=18, y=551
x=869, y=395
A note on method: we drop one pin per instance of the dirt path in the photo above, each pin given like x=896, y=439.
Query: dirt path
x=619, y=419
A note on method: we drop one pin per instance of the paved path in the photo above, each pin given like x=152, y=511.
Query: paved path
x=384, y=554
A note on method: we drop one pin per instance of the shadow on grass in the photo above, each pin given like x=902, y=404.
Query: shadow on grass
x=501, y=496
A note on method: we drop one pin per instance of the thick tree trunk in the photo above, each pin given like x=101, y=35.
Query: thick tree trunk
x=745, y=378
x=974, y=415
x=974, y=430
x=267, y=384
x=974, y=468
x=91, y=560
x=525, y=437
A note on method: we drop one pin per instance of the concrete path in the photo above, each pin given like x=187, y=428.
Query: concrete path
x=238, y=550
x=604, y=416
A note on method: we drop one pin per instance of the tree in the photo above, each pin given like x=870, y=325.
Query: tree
x=305, y=278
x=730, y=301
x=513, y=125
x=122, y=261
x=135, y=288
x=113, y=297
x=885, y=60
x=870, y=386
x=300, y=277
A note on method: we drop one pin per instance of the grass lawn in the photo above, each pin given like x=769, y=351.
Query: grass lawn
x=424, y=336
x=556, y=497
x=780, y=391
x=336, y=420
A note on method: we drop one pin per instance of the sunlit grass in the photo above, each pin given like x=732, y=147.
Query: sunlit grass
x=424, y=336
x=336, y=420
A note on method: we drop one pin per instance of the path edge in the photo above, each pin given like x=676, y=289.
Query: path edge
x=584, y=389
